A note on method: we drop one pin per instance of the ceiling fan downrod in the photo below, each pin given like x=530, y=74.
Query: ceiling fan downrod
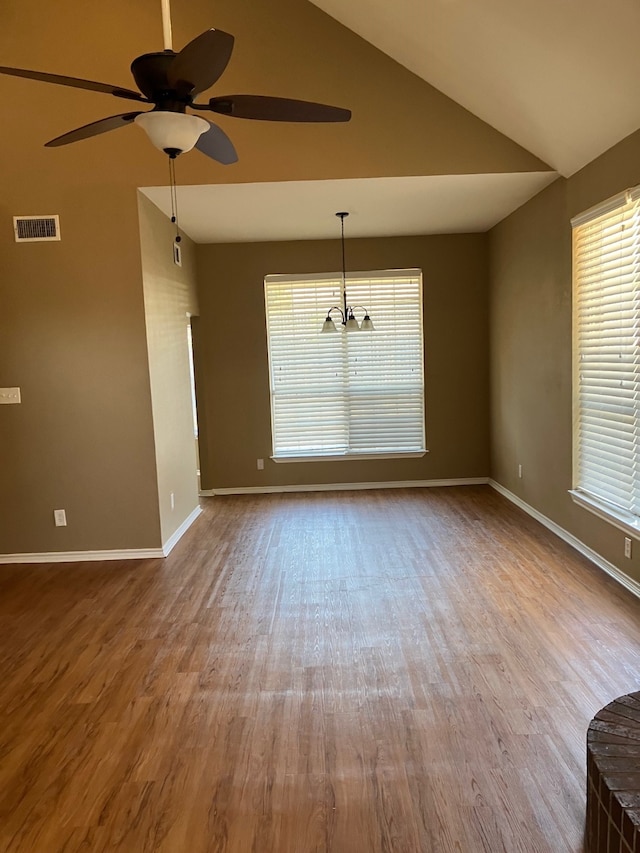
x=166, y=25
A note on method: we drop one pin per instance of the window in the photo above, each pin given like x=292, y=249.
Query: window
x=349, y=393
x=606, y=312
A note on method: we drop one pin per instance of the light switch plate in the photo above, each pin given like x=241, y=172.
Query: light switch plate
x=9, y=395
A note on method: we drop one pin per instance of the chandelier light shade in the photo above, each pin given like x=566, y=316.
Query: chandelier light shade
x=329, y=325
x=352, y=324
x=172, y=132
x=347, y=317
x=367, y=325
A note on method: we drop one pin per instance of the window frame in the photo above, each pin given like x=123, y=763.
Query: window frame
x=619, y=516
x=352, y=277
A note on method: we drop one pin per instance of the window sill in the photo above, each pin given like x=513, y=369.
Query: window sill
x=620, y=519
x=345, y=457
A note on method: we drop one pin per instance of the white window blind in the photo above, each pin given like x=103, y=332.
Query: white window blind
x=606, y=265
x=350, y=392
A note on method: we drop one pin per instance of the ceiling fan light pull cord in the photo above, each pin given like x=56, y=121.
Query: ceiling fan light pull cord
x=174, y=196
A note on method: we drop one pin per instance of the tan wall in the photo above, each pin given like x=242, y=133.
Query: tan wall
x=169, y=299
x=234, y=351
x=531, y=347
x=72, y=337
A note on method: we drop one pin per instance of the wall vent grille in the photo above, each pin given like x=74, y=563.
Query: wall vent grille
x=32, y=229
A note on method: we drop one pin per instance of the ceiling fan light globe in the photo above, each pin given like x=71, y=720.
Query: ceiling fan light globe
x=172, y=131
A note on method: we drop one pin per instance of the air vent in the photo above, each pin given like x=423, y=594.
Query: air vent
x=31, y=229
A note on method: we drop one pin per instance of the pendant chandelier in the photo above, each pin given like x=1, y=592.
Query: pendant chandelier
x=348, y=318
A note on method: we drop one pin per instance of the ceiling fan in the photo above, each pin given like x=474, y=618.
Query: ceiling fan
x=170, y=81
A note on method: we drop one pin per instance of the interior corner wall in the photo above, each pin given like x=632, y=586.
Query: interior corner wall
x=531, y=348
x=169, y=298
x=234, y=372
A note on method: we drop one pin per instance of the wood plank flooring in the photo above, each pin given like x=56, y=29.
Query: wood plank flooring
x=407, y=671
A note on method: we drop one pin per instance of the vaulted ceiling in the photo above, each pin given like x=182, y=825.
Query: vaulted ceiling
x=560, y=77
x=461, y=110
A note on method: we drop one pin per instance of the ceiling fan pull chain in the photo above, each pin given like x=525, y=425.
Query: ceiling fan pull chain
x=174, y=196
x=173, y=212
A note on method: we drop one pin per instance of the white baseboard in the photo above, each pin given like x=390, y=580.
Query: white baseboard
x=629, y=583
x=173, y=540
x=98, y=556
x=83, y=556
x=344, y=487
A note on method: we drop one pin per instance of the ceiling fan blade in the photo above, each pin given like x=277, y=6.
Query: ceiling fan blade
x=216, y=144
x=266, y=108
x=75, y=82
x=201, y=62
x=93, y=129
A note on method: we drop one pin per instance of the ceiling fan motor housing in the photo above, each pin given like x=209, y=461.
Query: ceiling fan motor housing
x=150, y=71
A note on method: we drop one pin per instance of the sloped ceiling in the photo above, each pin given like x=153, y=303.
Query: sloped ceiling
x=402, y=127
x=560, y=77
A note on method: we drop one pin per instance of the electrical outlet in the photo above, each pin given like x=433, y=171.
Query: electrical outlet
x=260, y=463
x=60, y=517
x=172, y=498
x=519, y=472
x=627, y=547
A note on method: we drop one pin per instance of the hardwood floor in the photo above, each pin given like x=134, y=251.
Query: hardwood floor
x=403, y=671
